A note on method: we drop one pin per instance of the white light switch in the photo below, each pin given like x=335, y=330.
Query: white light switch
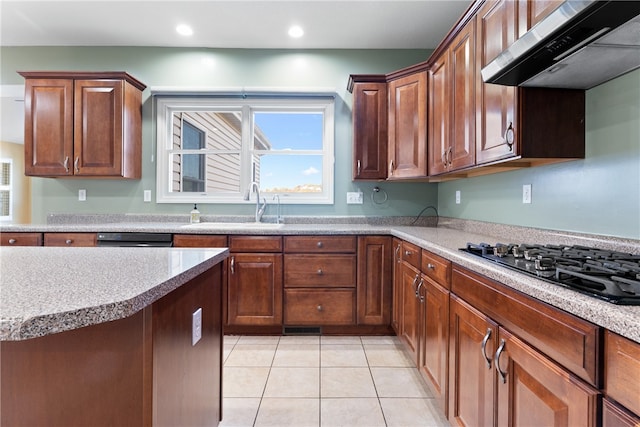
x=458, y=196
x=355, y=198
x=147, y=195
x=82, y=195
x=196, y=329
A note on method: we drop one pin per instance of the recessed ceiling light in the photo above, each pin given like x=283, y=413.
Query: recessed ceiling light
x=296, y=31
x=184, y=30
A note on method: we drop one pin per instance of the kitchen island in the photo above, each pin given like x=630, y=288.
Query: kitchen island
x=110, y=336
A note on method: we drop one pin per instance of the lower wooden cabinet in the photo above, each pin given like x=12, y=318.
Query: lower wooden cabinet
x=487, y=360
x=254, y=289
x=319, y=306
x=70, y=239
x=615, y=416
x=254, y=281
x=374, y=280
x=20, y=239
x=622, y=372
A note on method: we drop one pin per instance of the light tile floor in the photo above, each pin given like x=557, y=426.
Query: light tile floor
x=323, y=381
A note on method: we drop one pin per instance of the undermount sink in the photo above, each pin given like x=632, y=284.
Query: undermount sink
x=236, y=225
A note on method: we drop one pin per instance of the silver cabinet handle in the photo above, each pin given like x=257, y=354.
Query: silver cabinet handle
x=407, y=253
x=508, y=135
x=391, y=168
x=444, y=158
x=398, y=259
x=319, y=244
x=66, y=164
x=449, y=156
x=232, y=265
x=75, y=164
x=358, y=174
x=418, y=294
x=12, y=241
x=415, y=283
x=319, y=307
x=68, y=241
x=503, y=375
x=484, y=347
x=319, y=272
x=431, y=266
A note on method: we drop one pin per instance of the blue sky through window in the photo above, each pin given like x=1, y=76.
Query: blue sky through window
x=291, y=132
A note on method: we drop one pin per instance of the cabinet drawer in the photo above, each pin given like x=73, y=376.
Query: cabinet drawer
x=622, y=371
x=320, y=270
x=70, y=239
x=437, y=268
x=21, y=239
x=255, y=243
x=319, y=306
x=324, y=244
x=199, y=241
x=411, y=254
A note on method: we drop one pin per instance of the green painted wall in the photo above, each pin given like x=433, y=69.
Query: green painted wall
x=213, y=68
x=600, y=194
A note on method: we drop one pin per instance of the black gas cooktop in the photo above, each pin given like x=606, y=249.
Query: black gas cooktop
x=608, y=275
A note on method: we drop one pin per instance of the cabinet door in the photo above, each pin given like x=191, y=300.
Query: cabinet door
x=462, y=150
x=370, y=133
x=408, y=126
x=254, y=289
x=439, y=115
x=374, y=280
x=532, y=390
x=434, y=339
x=98, y=134
x=495, y=104
x=396, y=311
x=410, y=309
x=472, y=338
x=48, y=130
x=530, y=12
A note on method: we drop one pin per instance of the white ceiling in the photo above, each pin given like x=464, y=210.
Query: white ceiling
x=342, y=24
x=259, y=24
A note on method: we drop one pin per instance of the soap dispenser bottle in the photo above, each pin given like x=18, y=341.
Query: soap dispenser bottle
x=195, y=214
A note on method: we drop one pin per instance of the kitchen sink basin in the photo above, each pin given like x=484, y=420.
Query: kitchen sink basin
x=235, y=226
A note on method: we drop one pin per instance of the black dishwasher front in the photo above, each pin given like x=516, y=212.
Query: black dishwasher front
x=135, y=239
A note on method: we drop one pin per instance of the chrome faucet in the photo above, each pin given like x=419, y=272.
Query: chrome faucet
x=259, y=209
x=278, y=216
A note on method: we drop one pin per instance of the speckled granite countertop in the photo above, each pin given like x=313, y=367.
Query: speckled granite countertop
x=44, y=290
x=444, y=240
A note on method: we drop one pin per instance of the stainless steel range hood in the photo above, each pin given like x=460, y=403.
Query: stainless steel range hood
x=581, y=44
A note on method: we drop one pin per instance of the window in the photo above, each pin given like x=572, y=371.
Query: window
x=6, y=201
x=211, y=149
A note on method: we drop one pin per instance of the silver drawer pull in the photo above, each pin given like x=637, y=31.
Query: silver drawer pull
x=68, y=241
x=319, y=307
x=408, y=253
x=12, y=241
x=319, y=244
x=319, y=272
x=431, y=266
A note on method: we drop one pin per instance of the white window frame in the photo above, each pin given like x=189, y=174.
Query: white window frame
x=166, y=106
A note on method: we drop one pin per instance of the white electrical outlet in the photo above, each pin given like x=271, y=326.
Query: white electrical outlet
x=526, y=193
x=147, y=195
x=82, y=195
x=355, y=198
x=196, y=328
x=458, y=197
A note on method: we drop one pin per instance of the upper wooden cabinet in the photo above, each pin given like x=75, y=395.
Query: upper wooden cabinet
x=370, y=134
x=407, y=151
x=452, y=105
x=521, y=125
x=530, y=12
x=83, y=124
